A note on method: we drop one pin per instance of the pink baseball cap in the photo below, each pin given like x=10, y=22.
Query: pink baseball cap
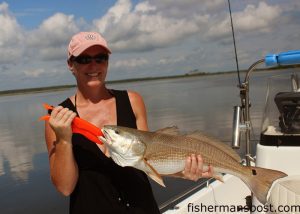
x=84, y=40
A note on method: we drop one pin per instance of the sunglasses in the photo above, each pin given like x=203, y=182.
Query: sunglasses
x=86, y=59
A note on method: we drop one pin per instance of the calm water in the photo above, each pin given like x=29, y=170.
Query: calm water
x=198, y=103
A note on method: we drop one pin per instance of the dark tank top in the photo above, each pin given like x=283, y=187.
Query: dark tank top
x=103, y=186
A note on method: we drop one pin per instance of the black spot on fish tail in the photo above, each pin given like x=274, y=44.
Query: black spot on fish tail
x=260, y=180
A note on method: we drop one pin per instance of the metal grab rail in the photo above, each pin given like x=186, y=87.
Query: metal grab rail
x=241, y=117
x=245, y=124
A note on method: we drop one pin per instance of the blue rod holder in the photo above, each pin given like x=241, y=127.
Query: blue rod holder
x=284, y=58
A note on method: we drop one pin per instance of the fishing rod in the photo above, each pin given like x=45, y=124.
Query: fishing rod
x=241, y=116
x=234, y=44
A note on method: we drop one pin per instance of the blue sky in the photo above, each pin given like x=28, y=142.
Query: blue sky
x=30, y=14
x=147, y=38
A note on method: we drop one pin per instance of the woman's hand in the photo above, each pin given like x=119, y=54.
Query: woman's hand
x=194, y=168
x=60, y=121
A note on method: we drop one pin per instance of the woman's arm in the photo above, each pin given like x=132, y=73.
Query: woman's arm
x=139, y=110
x=58, y=134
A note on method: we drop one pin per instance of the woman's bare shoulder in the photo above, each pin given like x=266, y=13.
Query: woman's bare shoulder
x=135, y=97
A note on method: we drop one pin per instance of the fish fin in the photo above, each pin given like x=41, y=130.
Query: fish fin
x=177, y=175
x=152, y=173
x=218, y=176
x=173, y=130
x=260, y=180
x=216, y=143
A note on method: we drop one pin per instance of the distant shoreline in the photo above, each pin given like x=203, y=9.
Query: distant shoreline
x=63, y=87
x=194, y=73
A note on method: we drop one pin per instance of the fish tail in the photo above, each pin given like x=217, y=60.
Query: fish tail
x=260, y=180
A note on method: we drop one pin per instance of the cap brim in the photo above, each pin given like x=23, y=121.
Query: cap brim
x=78, y=51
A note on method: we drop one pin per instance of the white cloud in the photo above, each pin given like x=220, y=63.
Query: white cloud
x=34, y=72
x=57, y=27
x=47, y=71
x=53, y=52
x=47, y=42
x=171, y=60
x=114, y=15
x=50, y=39
x=144, y=7
x=157, y=36
x=130, y=63
x=260, y=18
x=10, y=30
x=186, y=8
x=252, y=19
x=156, y=31
x=11, y=36
x=143, y=28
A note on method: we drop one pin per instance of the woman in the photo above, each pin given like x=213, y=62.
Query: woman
x=83, y=169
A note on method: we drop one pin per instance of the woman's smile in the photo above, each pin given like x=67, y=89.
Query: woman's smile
x=96, y=74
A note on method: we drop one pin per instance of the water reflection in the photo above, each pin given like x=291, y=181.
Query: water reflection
x=14, y=160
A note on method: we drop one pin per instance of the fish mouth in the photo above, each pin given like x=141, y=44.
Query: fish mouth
x=106, y=139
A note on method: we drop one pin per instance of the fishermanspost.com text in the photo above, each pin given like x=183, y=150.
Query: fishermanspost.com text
x=204, y=208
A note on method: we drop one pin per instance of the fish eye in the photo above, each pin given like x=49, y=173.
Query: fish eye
x=117, y=132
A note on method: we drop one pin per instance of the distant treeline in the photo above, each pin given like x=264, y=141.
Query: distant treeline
x=35, y=90
x=192, y=73
x=62, y=87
